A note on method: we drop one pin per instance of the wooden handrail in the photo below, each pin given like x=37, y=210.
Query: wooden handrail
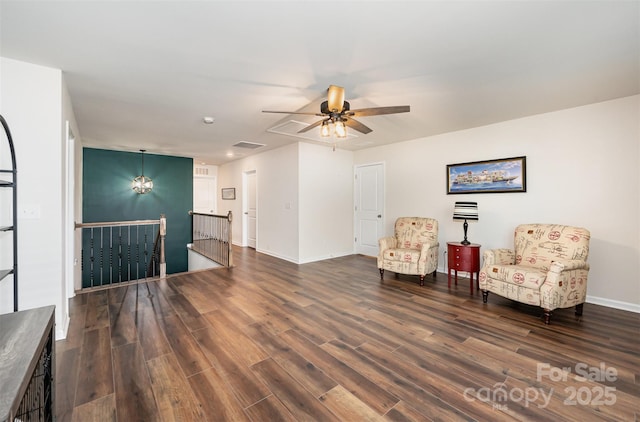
x=229, y=216
x=117, y=223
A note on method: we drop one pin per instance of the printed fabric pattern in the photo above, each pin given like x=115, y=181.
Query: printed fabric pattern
x=413, y=249
x=547, y=267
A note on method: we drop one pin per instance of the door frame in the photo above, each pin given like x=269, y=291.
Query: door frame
x=245, y=202
x=355, y=197
x=69, y=212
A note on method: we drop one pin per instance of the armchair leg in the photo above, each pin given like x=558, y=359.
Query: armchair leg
x=579, y=309
x=381, y=273
x=547, y=316
x=485, y=296
x=421, y=280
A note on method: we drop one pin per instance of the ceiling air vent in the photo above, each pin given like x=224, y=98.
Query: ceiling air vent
x=248, y=145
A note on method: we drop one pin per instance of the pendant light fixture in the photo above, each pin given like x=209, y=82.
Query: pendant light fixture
x=142, y=184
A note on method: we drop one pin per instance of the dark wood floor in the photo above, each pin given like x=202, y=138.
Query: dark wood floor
x=270, y=340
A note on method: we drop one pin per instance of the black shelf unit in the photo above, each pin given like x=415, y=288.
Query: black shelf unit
x=12, y=184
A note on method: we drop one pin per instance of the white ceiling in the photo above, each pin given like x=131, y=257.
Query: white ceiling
x=142, y=74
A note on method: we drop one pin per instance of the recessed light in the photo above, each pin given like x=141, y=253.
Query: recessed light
x=208, y=120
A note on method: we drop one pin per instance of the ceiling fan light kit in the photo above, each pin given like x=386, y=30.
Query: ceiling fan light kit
x=340, y=129
x=325, y=131
x=337, y=128
x=337, y=115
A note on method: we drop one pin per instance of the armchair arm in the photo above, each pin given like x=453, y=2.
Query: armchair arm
x=388, y=242
x=385, y=243
x=426, y=246
x=499, y=257
x=428, y=257
x=565, y=285
x=566, y=265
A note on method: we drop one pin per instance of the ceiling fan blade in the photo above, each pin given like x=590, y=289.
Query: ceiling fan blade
x=376, y=111
x=335, y=98
x=354, y=124
x=292, y=112
x=308, y=128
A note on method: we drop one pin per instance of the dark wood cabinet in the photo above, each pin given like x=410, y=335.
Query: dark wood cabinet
x=27, y=365
x=463, y=258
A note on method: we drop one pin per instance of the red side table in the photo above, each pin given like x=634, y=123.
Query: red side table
x=464, y=258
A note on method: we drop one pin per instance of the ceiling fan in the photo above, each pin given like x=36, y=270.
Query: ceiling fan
x=337, y=114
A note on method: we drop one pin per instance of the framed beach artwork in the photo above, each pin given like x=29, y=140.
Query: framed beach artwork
x=489, y=176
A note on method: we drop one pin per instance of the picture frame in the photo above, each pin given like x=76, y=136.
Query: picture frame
x=228, y=193
x=501, y=175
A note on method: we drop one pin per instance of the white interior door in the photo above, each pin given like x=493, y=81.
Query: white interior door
x=369, y=206
x=204, y=195
x=251, y=209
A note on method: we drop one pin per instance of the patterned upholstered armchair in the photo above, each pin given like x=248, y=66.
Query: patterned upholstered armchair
x=548, y=268
x=413, y=249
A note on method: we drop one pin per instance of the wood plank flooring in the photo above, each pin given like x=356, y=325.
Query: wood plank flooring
x=270, y=340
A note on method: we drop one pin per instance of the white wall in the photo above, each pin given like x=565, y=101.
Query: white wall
x=71, y=198
x=68, y=114
x=277, y=200
x=32, y=98
x=326, y=202
x=304, y=197
x=582, y=169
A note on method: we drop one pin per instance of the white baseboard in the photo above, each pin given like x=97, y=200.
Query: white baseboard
x=275, y=255
x=610, y=303
x=323, y=257
x=62, y=328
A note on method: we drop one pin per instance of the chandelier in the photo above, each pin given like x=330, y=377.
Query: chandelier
x=142, y=184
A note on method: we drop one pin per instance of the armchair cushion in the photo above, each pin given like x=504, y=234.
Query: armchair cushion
x=538, y=245
x=403, y=255
x=518, y=274
x=413, y=232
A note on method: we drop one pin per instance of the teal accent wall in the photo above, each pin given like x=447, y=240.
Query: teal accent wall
x=107, y=195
